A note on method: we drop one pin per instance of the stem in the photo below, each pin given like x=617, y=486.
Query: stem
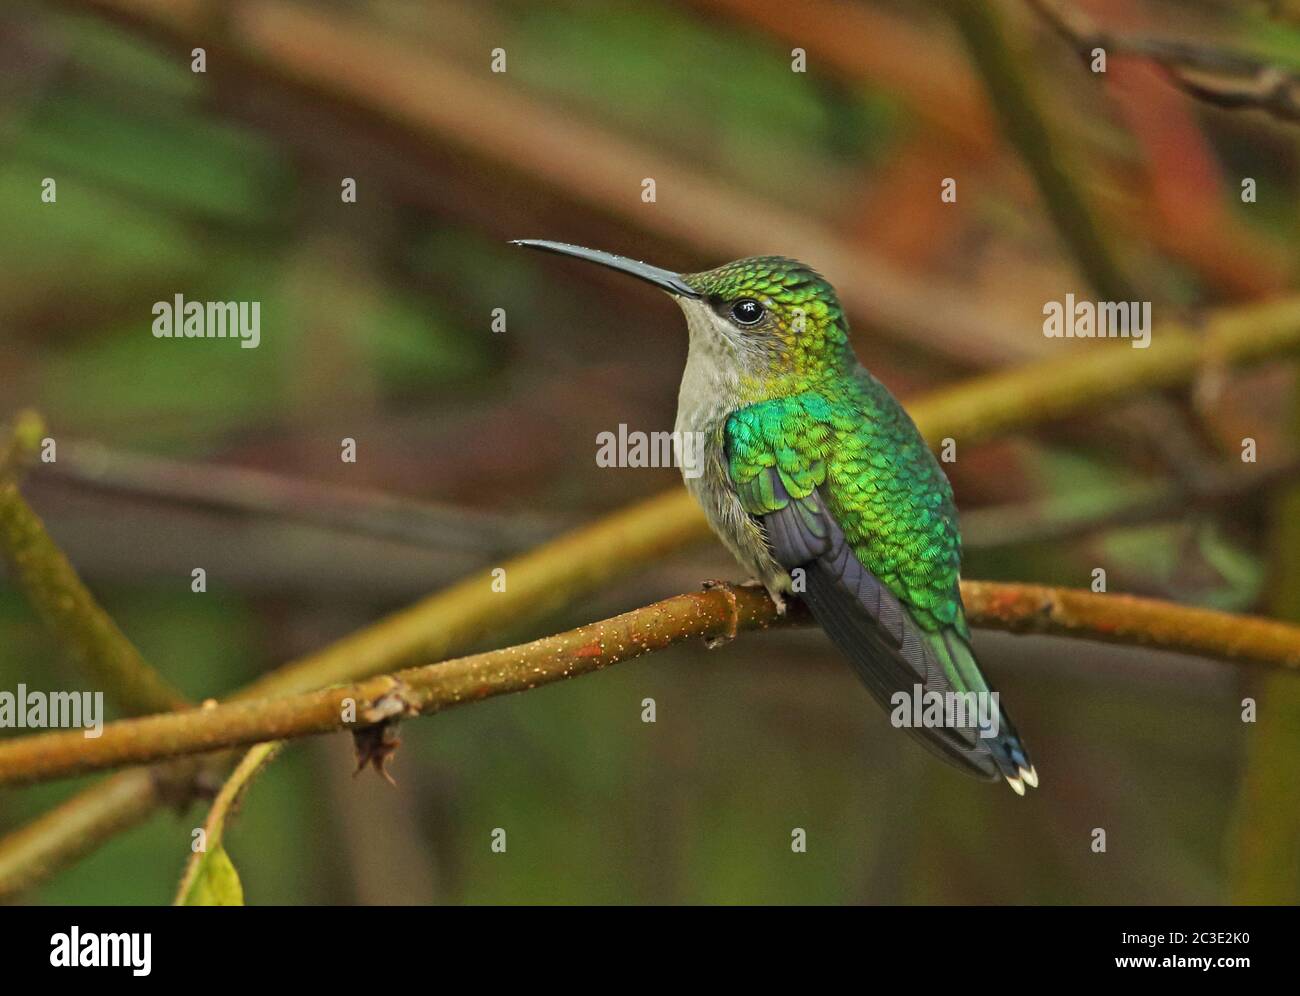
x=222, y=806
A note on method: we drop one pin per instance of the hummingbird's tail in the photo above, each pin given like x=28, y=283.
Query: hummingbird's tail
x=894, y=655
x=1007, y=753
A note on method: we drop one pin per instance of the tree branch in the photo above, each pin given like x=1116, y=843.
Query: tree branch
x=1039, y=392
x=19, y=445
x=1026, y=128
x=1050, y=519
x=75, y=827
x=257, y=492
x=705, y=615
x=537, y=583
x=1224, y=79
x=1134, y=621
x=64, y=604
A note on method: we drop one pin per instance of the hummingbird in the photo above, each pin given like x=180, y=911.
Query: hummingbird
x=812, y=470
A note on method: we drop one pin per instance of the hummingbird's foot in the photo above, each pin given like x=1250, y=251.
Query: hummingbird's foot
x=778, y=600
x=733, y=615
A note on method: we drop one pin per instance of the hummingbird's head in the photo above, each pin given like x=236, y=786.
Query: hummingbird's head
x=767, y=317
x=780, y=312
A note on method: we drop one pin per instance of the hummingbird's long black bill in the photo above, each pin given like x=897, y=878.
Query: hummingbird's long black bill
x=663, y=279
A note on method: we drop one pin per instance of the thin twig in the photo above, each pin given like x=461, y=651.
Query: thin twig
x=1053, y=519
x=222, y=807
x=1011, y=96
x=1225, y=79
x=257, y=492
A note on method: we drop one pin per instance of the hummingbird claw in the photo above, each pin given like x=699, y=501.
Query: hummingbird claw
x=778, y=600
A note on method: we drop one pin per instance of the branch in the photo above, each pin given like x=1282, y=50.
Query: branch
x=708, y=615
x=1050, y=519
x=700, y=615
x=1134, y=621
x=1011, y=96
x=1039, y=392
x=1225, y=79
x=66, y=607
x=75, y=827
x=19, y=445
x=258, y=492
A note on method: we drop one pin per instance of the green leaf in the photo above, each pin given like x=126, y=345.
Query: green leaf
x=216, y=883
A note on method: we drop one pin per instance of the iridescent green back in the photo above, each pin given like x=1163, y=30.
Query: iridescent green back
x=822, y=421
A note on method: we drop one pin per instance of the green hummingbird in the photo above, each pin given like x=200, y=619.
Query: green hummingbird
x=820, y=484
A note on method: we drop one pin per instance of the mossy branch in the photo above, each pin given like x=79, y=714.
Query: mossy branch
x=65, y=605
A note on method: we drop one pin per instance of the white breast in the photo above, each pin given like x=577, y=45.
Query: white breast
x=709, y=393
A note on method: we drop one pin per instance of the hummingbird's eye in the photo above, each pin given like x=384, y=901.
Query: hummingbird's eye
x=747, y=311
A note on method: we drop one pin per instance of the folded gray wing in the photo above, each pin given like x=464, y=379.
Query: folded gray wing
x=888, y=649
